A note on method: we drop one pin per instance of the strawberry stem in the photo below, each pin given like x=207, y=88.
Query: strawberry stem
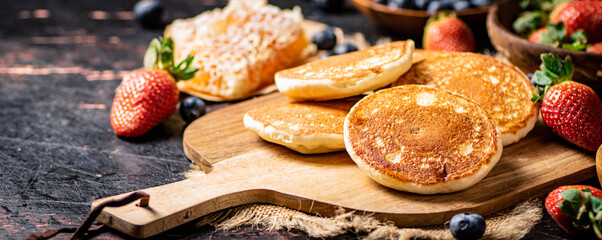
x=159, y=55
x=553, y=70
x=596, y=225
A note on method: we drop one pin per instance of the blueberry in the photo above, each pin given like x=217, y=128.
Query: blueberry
x=435, y=6
x=192, y=108
x=383, y=2
x=325, y=39
x=344, y=48
x=328, y=5
x=328, y=54
x=467, y=226
x=421, y=4
x=408, y=4
x=530, y=75
x=480, y=3
x=461, y=5
x=149, y=13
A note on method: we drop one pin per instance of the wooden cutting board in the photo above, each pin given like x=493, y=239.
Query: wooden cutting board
x=245, y=169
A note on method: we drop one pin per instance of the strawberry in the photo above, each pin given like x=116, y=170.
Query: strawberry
x=595, y=48
x=575, y=15
x=571, y=109
x=575, y=208
x=148, y=96
x=535, y=37
x=446, y=32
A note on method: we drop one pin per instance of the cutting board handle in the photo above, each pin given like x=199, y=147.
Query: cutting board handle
x=177, y=203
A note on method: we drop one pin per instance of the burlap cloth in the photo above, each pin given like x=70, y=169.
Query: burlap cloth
x=511, y=223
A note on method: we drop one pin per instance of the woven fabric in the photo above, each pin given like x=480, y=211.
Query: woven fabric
x=512, y=223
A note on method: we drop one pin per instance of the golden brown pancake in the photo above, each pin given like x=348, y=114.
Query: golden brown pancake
x=422, y=54
x=306, y=127
x=421, y=139
x=348, y=74
x=502, y=89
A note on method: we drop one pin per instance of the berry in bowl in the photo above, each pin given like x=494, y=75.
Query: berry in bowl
x=408, y=17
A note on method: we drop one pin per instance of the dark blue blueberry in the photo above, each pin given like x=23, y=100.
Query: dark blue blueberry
x=344, y=48
x=408, y=4
x=480, y=3
x=328, y=5
x=383, y=2
x=328, y=54
x=435, y=6
x=421, y=4
x=461, y=5
x=467, y=226
x=192, y=108
x=149, y=13
x=325, y=39
x=530, y=75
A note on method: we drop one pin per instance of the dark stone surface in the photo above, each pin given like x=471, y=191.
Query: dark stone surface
x=60, y=62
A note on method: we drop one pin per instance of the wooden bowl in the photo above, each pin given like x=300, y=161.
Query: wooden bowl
x=526, y=55
x=599, y=164
x=410, y=23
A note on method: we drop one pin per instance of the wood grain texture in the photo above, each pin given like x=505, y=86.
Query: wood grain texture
x=246, y=169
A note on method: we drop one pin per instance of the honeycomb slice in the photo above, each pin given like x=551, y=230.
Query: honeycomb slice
x=238, y=49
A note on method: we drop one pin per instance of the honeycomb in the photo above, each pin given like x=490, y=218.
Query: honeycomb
x=238, y=49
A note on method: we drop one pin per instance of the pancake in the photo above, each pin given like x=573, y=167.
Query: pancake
x=307, y=127
x=348, y=74
x=422, y=54
x=500, y=88
x=421, y=139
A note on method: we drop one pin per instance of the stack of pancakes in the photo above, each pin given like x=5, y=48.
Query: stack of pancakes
x=439, y=128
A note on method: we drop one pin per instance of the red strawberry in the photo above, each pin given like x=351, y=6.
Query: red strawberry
x=570, y=108
x=555, y=205
x=148, y=96
x=535, y=37
x=448, y=33
x=575, y=15
x=596, y=48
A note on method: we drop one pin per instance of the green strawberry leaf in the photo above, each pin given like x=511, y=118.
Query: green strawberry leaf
x=597, y=206
x=536, y=97
x=572, y=202
x=555, y=35
x=541, y=79
x=160, y=54
x=578, y=41
x=543, y=5
x=579, y=36
x=530, y=21
x=152, y=54
x=567, y=66
x=574, y=47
